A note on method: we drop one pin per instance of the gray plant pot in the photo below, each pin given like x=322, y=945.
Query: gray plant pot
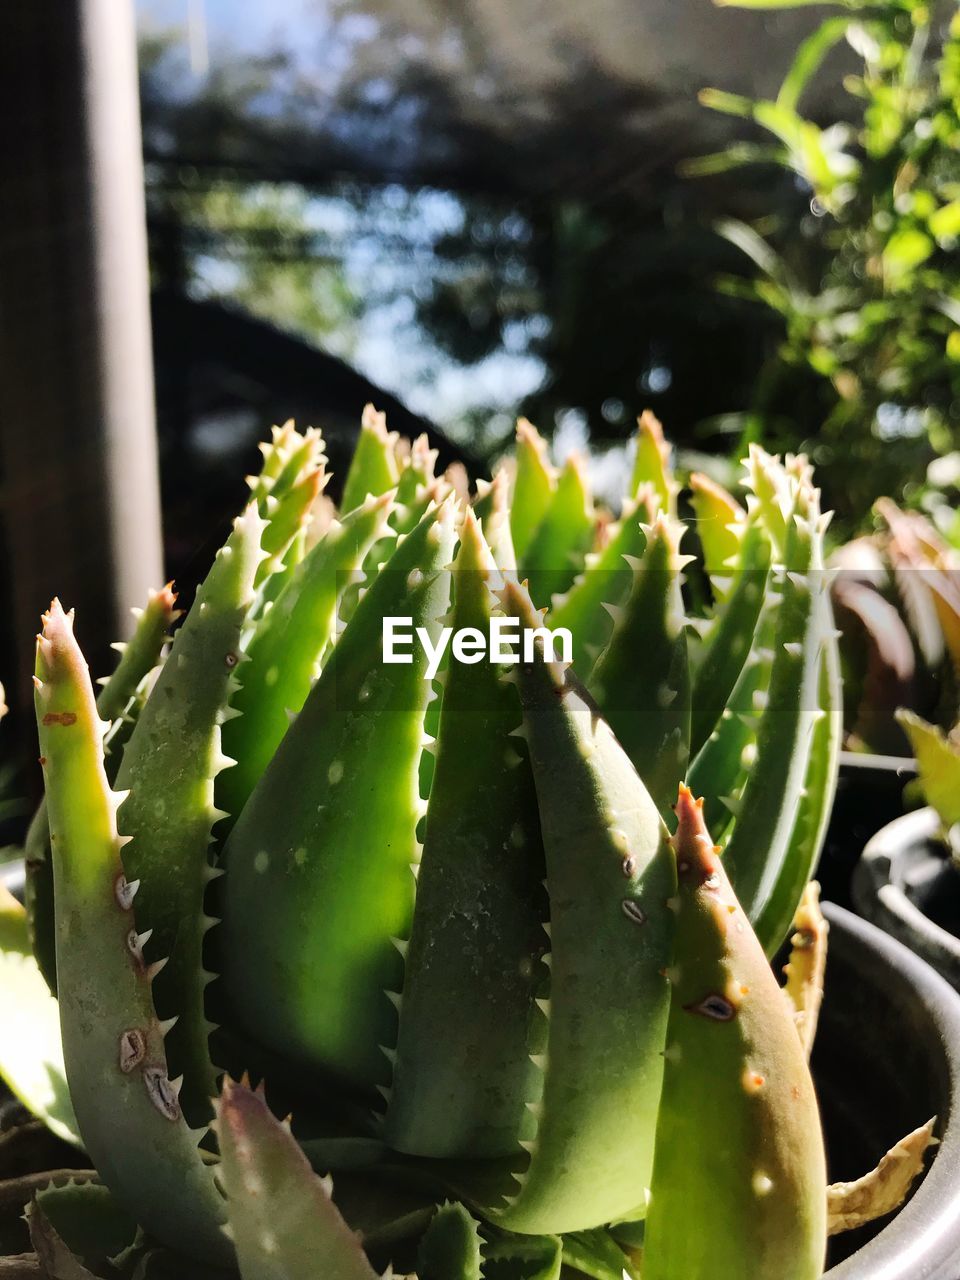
x=887, y=1058
x=906, y=883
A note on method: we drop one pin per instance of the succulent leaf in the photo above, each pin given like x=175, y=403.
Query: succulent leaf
x=853, y=1204
x=373, y=468
x=288, y=511
x=596, y=1254
x=418, y=463
x=472, y=968
x=320, y=860
x=771, y=495
x=756, y=854
x=525, y=1257
x=126, y=1105
x=168, y=769
x=76, y=1226
x=275, y=452
x=533, y=486
x=652, y=464
x=807, y=965
x=492, y=508
x=555, y=553
x=719, y=769
x=816, y=800
x=115, y=702
x=282, y=1217
x=720, y=528
x=642, y=681
x=31, y=1061
x=739, y=1177
x=606, y=581
x=284, y=653
x=450, y=1248
x=732, y=634
x=609, y=874
x=55, y=1259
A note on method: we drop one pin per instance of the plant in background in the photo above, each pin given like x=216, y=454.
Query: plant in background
x=896, y=594
x=868, y=289
x=520, y=1006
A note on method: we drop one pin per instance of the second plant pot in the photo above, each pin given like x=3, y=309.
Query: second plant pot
x=907, y=884
x=887, y=1058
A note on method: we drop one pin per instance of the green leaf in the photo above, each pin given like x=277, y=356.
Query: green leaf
x=284, y=1223
x=320, y=862
x=284, y=653
x=732, y=157
x=938, y=766
x=31, y=1059
x=754, y=246
x=730, y=104
x=809, y=57
x=127, y=1106
x=556, y=551
x=738, y=1134
x=905, y=250
x=945, y=221
x=652, y=465
x=729, y=641
x=609, y=876
x=373, y=468
x=57, y=1260
x=168, y=770
x=606, y=580
x=641, y=681
x=450, y=1248
x=524, y=1257
x=598, y=1255
x=119, y=701
x=462, y=1074
x=533, y=487
x=77, y=1226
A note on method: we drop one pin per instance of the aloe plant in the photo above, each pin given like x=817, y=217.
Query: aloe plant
x=456, y=925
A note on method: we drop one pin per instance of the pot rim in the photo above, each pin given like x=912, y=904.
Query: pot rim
x=885, y=903
x=916, y=1244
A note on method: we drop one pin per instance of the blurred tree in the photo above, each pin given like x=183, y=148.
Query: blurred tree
x=865, y=278
x=255, y=244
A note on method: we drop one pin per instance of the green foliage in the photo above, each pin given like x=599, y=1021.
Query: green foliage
x=938, y=772
x=458, y=940
x=866, y=281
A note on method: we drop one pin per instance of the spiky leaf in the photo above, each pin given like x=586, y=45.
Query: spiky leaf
x=533, y=486
x=461, y=1073
x=450, y=1249
x=609, y=875
x=126, y=1105
x=282, y=1217
x=738, y=1134
x=320, y=860
x=169, y=768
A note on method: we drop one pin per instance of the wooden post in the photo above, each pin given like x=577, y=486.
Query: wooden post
x=79, y=503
